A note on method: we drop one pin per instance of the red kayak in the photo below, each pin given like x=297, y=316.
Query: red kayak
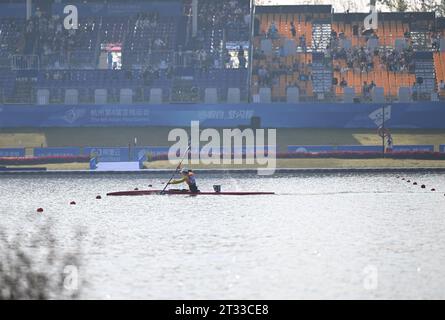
x=184, y=192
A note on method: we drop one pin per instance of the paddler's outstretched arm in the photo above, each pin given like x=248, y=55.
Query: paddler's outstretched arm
x=178, y=181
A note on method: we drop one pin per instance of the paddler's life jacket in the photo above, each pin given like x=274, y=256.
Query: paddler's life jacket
x=190, y=179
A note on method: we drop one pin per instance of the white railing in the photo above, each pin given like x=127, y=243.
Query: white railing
x=25, y=62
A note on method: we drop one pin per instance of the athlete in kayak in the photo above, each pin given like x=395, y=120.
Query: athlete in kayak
x=188, y=177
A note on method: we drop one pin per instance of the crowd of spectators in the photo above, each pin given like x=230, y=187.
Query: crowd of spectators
x=274, y=33
x=270, y=71
x=218, y=19
x=223, y=14
x=147, y=19
x=55, y=44
x=435, y=40
x=398, y=60
x=52, y=41
x=367, y=90
x=362, y=59
x=152, y=73
x=11, y=34
x=151, y=21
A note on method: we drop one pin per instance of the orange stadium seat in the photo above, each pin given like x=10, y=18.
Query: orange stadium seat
x=390, y=28
x=439, y=64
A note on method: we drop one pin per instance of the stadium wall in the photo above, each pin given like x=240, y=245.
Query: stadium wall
x=277, y=115
x=13, y=10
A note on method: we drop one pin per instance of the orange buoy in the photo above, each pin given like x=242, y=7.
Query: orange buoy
x=98, y=197
x=72, y=202
x=423, y=186
x=433, y=189
x=415, y=183
x=40, y=210
x=136, y=189
x=408, y=181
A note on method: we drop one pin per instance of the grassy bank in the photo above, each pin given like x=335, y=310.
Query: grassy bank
x=158, y=136
x=281, y=163
x=58, y=166
x=319, y=163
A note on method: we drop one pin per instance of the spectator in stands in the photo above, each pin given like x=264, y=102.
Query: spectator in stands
x=110, y=60
x=146, y=77
x=327, y=52
x=342, y=35
x=241, y=58
x=202, y=57
x=38, y=13
x=263, y=76
x=296, y=66
x=273, y=31
x=435, y=41
x=442, y=85
x=169, y=73
x=163, y=66
x=128, y=75
x=159, y=43
x=355, y=29
x=366, y=93
x=293, y=30
x=247, y=19
x=407, y=34
x=337, y=67
x=343, y=83
x=303, y=42
x=415, y=91
x=389, y=143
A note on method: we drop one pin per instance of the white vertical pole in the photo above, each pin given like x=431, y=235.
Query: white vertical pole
x=28, y=9
x=194, y=18
x=251, y=48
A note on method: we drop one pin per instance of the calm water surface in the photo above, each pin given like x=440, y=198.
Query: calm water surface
x=326, y=236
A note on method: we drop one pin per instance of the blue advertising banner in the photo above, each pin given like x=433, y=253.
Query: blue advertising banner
x=123, y=154
x=278, y=115
x=53, y=152
x=154, y=151
x=12, y=152
x=143, y=152
x=427, y=148
x=109, y=154
x=442, y=148
x=356, y=148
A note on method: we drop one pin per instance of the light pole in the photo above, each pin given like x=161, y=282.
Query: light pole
x=251, y=41
x=383, y=131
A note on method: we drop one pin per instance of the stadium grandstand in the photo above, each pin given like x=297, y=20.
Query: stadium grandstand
x=188, y=51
